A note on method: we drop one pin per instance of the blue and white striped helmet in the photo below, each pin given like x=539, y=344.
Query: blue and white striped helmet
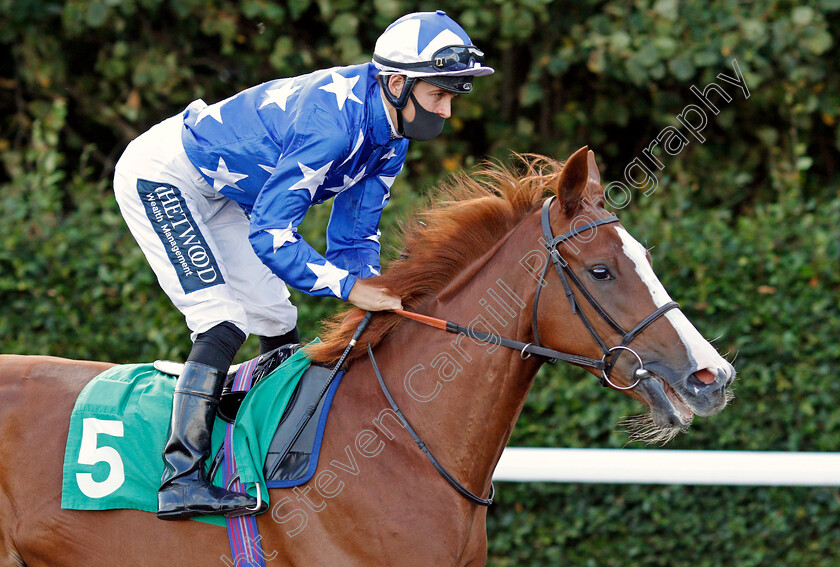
x=430, y=46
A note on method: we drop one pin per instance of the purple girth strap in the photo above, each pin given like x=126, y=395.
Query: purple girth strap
x=242, y=530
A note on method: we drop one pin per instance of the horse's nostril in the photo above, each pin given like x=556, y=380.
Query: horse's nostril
x=705, y=376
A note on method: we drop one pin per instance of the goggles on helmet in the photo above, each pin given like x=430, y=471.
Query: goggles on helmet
x=457, y=58
x=445, y=60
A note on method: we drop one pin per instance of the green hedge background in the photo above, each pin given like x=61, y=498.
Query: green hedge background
x=745, y=226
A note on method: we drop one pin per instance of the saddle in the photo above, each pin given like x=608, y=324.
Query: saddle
x=300, y=461
x=230, y=400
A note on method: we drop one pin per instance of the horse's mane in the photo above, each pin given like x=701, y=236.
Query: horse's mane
x=468, y=214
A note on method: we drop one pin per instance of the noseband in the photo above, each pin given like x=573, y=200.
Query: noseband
x=565, y=273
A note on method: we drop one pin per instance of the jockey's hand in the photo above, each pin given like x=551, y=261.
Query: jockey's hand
x=371, y=298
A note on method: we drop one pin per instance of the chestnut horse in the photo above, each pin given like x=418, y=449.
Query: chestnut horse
x=476, y=260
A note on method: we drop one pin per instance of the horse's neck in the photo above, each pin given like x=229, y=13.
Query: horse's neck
x=462, y=396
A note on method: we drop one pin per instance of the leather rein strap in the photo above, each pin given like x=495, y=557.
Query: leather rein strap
x=462, y=490
x=523, y=348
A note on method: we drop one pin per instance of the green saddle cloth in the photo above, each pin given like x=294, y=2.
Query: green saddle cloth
x=120, y=423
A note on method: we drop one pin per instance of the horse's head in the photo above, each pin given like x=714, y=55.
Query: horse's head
x=597, y=297
x=617, y=300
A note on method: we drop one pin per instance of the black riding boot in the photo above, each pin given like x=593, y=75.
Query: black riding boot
x=185, y=491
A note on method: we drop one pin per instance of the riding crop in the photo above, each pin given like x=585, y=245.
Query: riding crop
x=310, y=411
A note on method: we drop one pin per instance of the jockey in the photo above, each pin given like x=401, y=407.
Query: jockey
x=214, y=197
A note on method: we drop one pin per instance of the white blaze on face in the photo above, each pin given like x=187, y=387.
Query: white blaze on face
x=699, y=349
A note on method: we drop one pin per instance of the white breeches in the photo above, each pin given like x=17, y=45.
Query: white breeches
x=196, y=240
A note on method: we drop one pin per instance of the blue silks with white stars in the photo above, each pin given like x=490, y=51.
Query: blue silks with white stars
x=282, y=146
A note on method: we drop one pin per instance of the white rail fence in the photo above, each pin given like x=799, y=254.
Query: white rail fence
x=662, y=466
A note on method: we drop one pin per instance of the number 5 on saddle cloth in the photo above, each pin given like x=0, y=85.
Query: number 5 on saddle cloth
x=119, y=424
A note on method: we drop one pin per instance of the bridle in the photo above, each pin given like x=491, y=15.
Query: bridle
x=565, y=273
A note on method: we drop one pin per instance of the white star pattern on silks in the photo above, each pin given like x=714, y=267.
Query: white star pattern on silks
x=223, y=177
x=280, y=95
x=270, y=169
x=391, y=153
x=312, y=179
x=388, y=181
x=373, y=270
x=358, y=145
x=214, y=110
x=282, y=235
x=329, y=277
x=342, y=88
x=349, y=182
x=374, y=237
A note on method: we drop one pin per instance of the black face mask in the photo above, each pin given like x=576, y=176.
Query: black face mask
x=425, y=126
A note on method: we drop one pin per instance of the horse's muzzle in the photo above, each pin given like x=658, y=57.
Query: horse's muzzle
x=675, y=396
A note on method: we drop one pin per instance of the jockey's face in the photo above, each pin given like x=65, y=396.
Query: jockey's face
x=432, y=98
x=426, y=109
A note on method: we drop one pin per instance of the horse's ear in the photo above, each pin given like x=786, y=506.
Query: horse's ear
x=594, y=190
x=594, y=174
x=571, y=185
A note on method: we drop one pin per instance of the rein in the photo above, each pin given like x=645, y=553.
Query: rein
x=565, y=273
x=525, y=349
x=462, y=490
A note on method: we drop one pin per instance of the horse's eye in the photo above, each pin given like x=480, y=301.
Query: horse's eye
x=601, y=273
